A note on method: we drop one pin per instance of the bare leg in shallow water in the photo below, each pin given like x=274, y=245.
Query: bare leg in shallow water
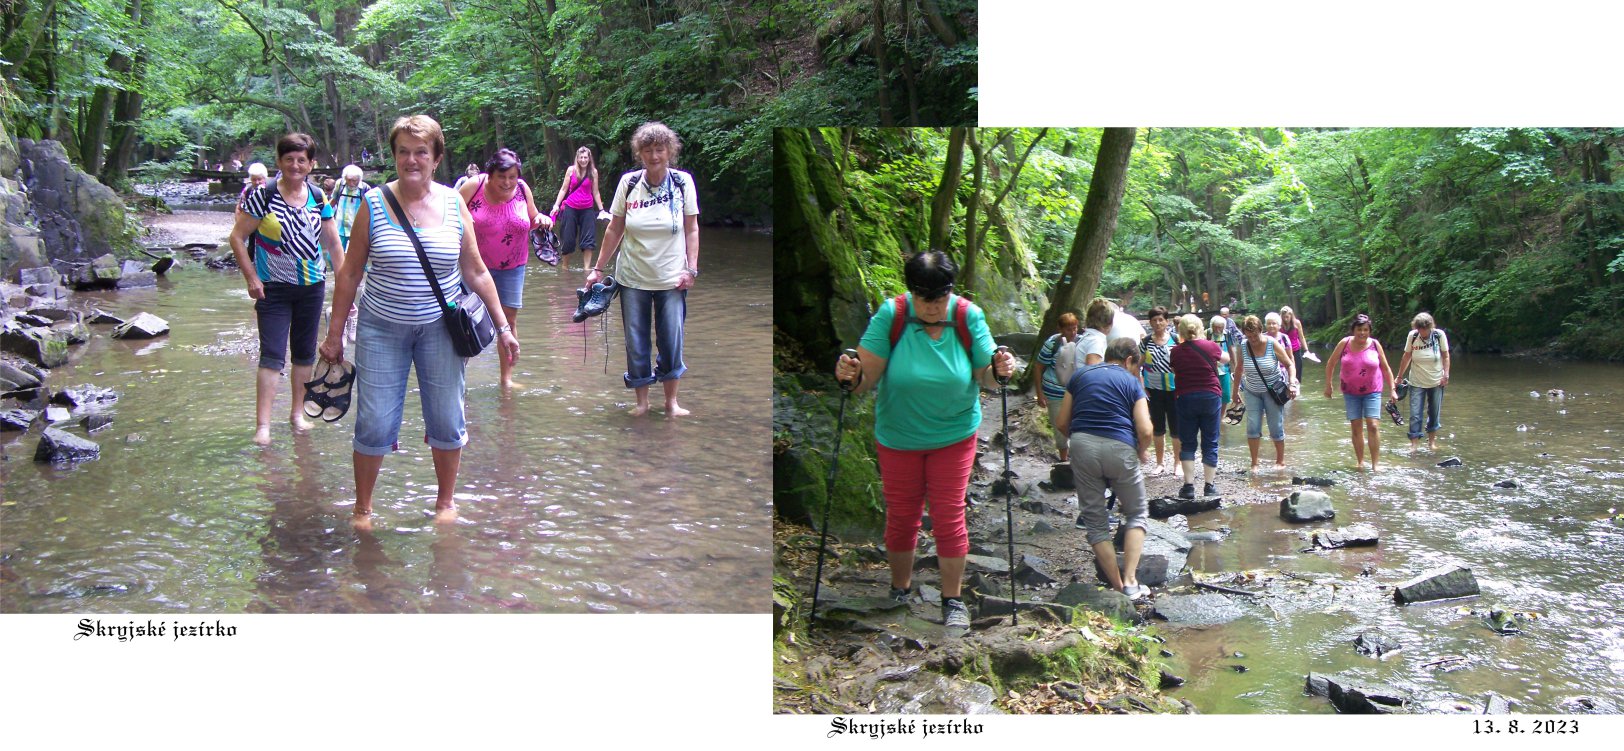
x=1358, y=428
x=1374, y=436
x=642, y=402
x=507, y=367
x=446, y=463
x=671, y=407
x=366, y=478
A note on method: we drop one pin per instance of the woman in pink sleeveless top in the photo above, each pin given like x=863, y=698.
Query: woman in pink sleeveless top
x=504, y=212
x=1296, y=336
x=581, y=204
x=1365, y=375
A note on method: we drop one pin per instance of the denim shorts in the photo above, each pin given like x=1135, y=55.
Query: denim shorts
x=1369, y=406
x=509, y=286
x=385, y=353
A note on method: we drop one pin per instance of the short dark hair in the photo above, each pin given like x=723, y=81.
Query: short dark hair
x=930, y=274
x=1159, y=310
x=502, y=161
x=296, y=142
x=1121, y=349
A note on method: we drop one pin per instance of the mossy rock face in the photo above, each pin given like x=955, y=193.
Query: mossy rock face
x=9, y=161
x=79, y=217
x=805, y=408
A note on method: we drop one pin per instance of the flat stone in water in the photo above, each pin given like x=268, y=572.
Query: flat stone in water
x=1206, y=609
x=58, y=447
x=1351, y=536
x=1307, y=506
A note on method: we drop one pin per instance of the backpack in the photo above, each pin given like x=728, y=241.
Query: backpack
x=632, y=177
x=1432, y=341
x=961, y=321
x=1066, y=362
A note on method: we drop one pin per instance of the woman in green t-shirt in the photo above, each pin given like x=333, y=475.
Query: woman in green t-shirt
x=925, y=418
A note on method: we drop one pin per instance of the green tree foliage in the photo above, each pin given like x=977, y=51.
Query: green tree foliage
x=222, y=78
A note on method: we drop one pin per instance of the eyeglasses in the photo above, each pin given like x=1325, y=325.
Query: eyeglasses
x=931, y=295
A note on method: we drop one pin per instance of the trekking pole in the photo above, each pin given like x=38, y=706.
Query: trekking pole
x=828, y=496
x=1009, y=487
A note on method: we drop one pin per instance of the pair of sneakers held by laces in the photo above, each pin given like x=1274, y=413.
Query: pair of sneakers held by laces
x=594, y=300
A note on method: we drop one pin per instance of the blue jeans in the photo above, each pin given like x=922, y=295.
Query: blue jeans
x=1198, y=412
x=1434, y=403
x=668, y=308
x=1257, y=405
x=384, y=354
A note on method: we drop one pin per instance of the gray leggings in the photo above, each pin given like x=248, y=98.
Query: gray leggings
x=1094, y=460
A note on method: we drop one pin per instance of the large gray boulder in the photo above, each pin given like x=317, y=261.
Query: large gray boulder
x=1206, y=609
x=1444, y=583
x=45, y=346
x=1307, y=506
x=1110, y=602
x=1164, y=540
x=79, y=218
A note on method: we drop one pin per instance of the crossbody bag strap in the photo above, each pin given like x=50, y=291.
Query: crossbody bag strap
x=1253, y=358
x=1204, y=355
x=422, y=256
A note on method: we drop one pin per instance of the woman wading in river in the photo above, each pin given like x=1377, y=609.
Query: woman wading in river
x=1365, y=374
x=400, y=318
x=289, y=223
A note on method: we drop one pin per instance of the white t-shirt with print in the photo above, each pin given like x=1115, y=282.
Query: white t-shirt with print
x=1427, y=361
x=654, y=250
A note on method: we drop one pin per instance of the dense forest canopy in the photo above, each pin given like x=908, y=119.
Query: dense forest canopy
x=121, y=82
x=1512, y=237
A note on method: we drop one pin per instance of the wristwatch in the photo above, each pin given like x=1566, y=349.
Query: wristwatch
x=692, y=272
x=506, y=327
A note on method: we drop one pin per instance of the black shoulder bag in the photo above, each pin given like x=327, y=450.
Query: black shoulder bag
x=1278, y=391
x=465, y=317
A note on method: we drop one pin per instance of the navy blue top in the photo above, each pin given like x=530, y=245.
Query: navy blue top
x=1102, y=399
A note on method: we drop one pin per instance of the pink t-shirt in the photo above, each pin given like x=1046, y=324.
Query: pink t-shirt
x=580, y=193
x=503, y=231
x=1361, y=369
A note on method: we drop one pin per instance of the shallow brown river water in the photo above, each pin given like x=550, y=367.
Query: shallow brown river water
x=567, y=503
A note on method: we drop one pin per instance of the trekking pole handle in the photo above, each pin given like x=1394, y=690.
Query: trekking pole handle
x=1003, y=380
x=848, y=385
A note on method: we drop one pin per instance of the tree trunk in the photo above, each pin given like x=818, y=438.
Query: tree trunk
x=938, y=24
x=877, y=44
x=908, y=63
x=1086, y=262
x=942, y=206
x=967, y=269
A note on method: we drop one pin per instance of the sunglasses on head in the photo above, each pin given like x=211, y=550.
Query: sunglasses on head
x=932, y=294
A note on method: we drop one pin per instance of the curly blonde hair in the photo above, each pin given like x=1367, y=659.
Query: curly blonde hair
x=656, y=133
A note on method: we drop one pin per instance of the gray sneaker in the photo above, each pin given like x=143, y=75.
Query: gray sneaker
x=955, y=614
x=899, y=595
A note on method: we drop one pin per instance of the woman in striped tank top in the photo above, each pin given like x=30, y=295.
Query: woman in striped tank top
x=400, y=317
x=1262, y=360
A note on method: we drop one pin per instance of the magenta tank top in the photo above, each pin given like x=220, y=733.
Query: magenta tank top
x=1296, y=337
x=580, y=196
x=503, y=231
x=1362, y=370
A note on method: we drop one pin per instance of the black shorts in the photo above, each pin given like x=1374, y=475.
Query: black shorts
x=1162, y=416
x=289, y=314
x=577, y=229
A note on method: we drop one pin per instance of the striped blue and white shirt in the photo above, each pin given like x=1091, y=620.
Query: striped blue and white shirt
x=396, y=289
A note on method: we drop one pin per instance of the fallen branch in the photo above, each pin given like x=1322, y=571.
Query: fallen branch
x=1444, y=661
x=1225, y=590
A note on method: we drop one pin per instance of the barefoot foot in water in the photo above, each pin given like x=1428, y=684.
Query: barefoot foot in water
x=262, y=435
x=673, y=410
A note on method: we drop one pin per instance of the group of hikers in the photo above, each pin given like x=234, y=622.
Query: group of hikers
x=1113, y=393
x=423, y=249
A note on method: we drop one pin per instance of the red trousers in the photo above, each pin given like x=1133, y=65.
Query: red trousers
x=910, y=479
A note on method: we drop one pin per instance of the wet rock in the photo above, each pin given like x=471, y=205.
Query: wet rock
x=39, y=275
x=29, y=319
x=1039, y=507
x=53, y=312
x=1506, y=484
x=47, y=292
x=142, y=326
x=1323, y=482
x=84, y=395
x=1307, y=506
x=42, y=345
x=933, y=693
x=1152, y=570
x=1161, y=508
x=1438, y=584
x=1168, y=680
x=18, y=377
x=1012, y=486
x=1376, y=643
x=75, y=331
x=1206, y=609
x=1032, y=572
x=99, y=316
x=17, y=419
x=1061, y=478
x=1503, y=620
x=56, y=446
x=1111, y=603
x=1453, y=461
x=96, y=421
x=1496, y=704
x=1351, y=536
x=1161, y=539
x=972, y=562
x=163, y=265
x=134, y=274
x=1586, y=705
x=1354, y=696
x=1043, y=528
